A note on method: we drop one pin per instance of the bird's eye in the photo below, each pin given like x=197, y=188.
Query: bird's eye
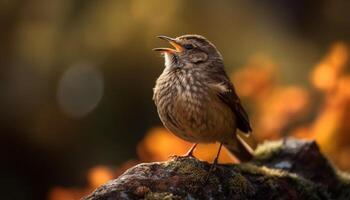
x=188, y=46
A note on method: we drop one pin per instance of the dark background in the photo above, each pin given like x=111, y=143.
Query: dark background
x=76, y=76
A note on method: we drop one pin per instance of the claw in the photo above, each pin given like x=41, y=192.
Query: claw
x=188, y=154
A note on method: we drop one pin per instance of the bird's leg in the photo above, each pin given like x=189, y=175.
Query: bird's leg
x=213, y=166
x=188, y=154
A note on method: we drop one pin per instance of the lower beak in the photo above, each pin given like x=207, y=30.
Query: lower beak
x=173, y=42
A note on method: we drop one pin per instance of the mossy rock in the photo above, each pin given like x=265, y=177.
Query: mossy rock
x=274, y=173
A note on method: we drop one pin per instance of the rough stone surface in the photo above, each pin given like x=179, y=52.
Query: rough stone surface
x=289, y=169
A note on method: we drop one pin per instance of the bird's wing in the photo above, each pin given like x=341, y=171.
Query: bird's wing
x=227, y=94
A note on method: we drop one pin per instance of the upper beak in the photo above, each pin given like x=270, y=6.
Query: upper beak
x=173, y=42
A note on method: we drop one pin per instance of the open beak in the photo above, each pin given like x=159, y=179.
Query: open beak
x=173, y=42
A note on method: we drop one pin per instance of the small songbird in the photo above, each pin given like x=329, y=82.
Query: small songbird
x=195, y=98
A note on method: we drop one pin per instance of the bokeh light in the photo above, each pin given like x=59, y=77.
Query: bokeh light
x=80, y=89
x=99, y=175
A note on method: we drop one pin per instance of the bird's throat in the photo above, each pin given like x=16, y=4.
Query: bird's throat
x=171, y=60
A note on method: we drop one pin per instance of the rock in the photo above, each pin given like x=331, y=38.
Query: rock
x=289, y=169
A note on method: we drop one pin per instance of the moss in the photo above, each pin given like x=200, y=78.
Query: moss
x=343, y=189
x=269, y=172
x=343, y=177
x=342, y=192
x=239, y=184
x=272, y=177
x=190, y=167
x=160, y=196
x=193, y=170
x=308, y=189
x=268, y=149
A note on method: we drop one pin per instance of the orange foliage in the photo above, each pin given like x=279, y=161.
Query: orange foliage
x=159, y=144
x=256, y=79
x=281, y=110
x=327, y=72
x=99, y=175
x=60, y=193
x=278, y=109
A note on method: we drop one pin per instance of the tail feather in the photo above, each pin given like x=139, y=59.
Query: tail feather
x=240, y=149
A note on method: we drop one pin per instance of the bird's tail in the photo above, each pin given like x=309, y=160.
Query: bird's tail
x=240, y=149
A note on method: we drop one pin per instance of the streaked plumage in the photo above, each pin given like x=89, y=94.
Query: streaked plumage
x=195, y=98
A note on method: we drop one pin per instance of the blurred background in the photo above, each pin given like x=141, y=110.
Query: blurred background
x=76, y=79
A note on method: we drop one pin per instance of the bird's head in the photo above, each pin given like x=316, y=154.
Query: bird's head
x=188, y=51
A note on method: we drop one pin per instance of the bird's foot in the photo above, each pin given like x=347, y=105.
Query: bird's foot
x=174, y=156
x=183, y=156
x=189, y=154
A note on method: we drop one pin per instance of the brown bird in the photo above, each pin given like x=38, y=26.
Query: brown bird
x=195, y=98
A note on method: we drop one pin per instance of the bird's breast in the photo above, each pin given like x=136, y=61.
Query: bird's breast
x=191, y=110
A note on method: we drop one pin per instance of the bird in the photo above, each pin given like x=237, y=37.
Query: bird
x=197, y=101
